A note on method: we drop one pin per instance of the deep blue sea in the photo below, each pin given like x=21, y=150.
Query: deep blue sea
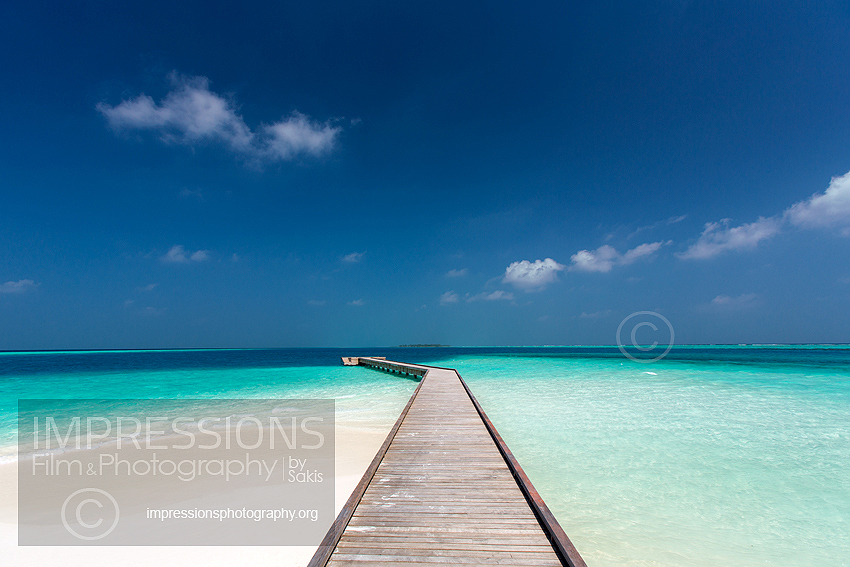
x=711, y=455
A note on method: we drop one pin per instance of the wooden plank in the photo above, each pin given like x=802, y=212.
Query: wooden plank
x=491, y=559
x=433, y=552
x=445, y=530
x=378, y=546
x=394, y=540
x=367, y=560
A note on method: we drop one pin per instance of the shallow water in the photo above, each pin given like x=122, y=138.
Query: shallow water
x=129, y=377
x=711, y=455
x=680, y=463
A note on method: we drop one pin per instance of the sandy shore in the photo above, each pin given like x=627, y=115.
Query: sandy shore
x=355, y=448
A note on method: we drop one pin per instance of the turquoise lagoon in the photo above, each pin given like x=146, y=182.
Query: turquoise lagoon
x=711, y=455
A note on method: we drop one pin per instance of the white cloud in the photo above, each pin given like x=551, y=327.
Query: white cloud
x=604, y=258
x=741, y=301
x=353, y=258
x=187, y=193
x=191, y=114
x=179, y=255
x=718, y=237
x=176, y=254
x=497, y=295
x=357, y=302
x=595, y=314
x=298, y=135
x=641, y=251
x=669, y=221
x=600, y=260
x=456, y=273
x=149, y=287
x=532, y=276
x=828, y=209
x=19, y=286
x=449, y=297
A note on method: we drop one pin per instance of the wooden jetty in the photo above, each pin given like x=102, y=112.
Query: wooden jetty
x=443, y=488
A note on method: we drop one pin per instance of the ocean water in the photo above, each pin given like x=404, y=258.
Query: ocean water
x=362, y=398
x=712, y=455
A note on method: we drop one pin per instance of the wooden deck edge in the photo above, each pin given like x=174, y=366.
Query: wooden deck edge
x=381, y=363
x=562, y=545
x=331, y=539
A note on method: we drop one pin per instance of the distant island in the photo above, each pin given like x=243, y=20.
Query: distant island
x=422, y=346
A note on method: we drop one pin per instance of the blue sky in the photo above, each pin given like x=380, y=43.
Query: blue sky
x=480, y=173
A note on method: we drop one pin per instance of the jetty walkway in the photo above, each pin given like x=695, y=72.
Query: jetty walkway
x=443, y=488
